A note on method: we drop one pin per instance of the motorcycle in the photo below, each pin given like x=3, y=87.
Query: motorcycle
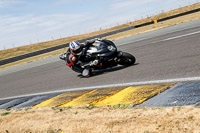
x=108, y=55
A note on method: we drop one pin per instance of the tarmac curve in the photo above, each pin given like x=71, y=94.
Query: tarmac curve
x=168, y=53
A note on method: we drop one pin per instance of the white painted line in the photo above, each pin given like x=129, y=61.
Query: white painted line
x=164, y=39
x=111, y=85
x=171, y=38
x=181, y=36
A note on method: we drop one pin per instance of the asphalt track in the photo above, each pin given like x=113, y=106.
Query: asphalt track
x=168, y=53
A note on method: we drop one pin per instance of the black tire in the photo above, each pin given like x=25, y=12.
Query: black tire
x=127, y=59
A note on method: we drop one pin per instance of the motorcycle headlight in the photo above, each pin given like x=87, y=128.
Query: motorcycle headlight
x=111, y=48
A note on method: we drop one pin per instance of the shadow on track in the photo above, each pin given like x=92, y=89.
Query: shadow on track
x=102, y=71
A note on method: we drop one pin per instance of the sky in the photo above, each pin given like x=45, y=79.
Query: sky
x=24, y=22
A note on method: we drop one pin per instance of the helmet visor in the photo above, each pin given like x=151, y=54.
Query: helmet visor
x=77, y=51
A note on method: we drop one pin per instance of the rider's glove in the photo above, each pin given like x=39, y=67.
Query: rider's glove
x=97, y=40
x=95, y=62
x=62, y=56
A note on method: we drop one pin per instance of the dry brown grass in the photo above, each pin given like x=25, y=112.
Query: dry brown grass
x=102, y=120
x=155, y=26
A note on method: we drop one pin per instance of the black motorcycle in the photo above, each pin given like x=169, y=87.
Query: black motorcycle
x=108, y=55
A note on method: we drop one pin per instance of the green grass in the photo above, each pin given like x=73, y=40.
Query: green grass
x=123, y=106
x=5, y=113
x=76, y=112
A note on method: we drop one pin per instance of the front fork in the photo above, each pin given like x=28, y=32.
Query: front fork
x=119, y=56
x=119, y=53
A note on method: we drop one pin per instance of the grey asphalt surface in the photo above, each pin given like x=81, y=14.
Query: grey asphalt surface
x=181, y=94
x=167, y=53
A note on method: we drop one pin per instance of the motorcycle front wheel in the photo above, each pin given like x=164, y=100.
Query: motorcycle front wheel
x=127, y=59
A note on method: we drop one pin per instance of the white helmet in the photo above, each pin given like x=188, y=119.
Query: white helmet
x=75, y=47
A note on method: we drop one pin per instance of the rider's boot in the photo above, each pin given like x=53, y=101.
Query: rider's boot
x=87, y=72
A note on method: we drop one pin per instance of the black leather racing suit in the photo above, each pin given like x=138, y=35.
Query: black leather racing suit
x=73, y=61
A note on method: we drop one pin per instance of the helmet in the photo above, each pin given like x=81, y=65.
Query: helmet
x=75, y=47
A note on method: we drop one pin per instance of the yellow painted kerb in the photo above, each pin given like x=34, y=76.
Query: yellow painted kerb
x=108, y=96
x=134, y=95
x=62, y=98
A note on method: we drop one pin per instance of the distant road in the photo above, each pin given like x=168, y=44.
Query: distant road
x=169, y=53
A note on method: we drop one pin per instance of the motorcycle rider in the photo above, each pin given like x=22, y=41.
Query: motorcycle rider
x=76, y=58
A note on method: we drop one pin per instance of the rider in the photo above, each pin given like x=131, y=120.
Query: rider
x=76, y=53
